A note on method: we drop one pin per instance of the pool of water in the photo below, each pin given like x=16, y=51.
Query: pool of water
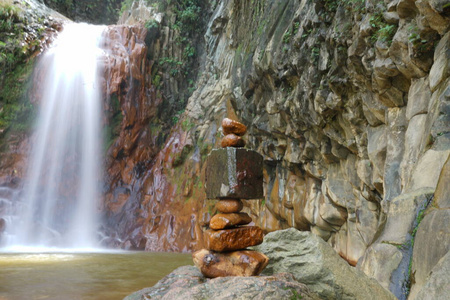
x=67, y=276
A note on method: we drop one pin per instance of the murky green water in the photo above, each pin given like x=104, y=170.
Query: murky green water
x=70, y=276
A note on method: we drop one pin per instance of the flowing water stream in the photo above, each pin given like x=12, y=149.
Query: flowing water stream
x=58, y=204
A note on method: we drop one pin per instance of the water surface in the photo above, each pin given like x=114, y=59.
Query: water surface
x=70, y=276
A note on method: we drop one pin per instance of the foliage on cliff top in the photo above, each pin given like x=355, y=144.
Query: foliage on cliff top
x=186, y=20
x=21, y=32
x=92, y=11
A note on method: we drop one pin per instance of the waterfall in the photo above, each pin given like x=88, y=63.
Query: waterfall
x=59, y=202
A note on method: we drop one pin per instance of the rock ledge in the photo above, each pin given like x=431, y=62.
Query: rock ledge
x=188, y=283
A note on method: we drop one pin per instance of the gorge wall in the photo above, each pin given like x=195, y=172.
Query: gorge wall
x=348, y=102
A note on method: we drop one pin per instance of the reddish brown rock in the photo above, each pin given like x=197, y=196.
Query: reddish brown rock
x=232, y=140
x=233, y=239
x=222, y=221
x=231, y=126
x=237, y=263
x=229, y=206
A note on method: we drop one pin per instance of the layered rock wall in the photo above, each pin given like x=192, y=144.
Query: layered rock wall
x=348, y=103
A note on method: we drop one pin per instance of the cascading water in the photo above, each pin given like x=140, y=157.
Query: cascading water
x=59, y=200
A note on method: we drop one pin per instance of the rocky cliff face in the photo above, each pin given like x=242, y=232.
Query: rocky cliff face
x=348, y=103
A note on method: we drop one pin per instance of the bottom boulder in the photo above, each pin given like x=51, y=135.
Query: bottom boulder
x=236, y=263
x=187, y=283
x=313, y=262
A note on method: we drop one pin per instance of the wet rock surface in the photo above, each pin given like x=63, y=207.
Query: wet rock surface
x=236, y=263
x=232, y=140
x=230, y=126
x=233, y=239
x=188, y=283
x=222, y=221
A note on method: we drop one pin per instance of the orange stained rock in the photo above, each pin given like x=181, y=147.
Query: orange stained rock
x=233, y=239
x=237, y=263
x=222, y=221
x=231, y=126
x=229, y=205
x=232, y=140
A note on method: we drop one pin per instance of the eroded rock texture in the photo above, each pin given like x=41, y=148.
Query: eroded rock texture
x=188, y=283
x=314, y=263
x=347, y=102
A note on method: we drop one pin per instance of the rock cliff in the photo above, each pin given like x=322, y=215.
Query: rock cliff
x=348, y=103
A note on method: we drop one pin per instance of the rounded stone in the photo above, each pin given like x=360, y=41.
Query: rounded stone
x=232, y=140
x=231, y=126
x=228, y=206
x=222, y=221
x=237, y=263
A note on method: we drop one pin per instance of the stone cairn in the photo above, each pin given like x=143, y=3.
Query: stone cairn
x=232, y=173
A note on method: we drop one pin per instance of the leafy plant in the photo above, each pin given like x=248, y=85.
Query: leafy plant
x=151, y=24
x=382, y=31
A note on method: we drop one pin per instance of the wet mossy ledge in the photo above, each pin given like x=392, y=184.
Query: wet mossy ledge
x=25, y=31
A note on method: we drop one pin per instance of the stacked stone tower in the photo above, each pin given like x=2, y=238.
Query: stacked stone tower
x=232, y=173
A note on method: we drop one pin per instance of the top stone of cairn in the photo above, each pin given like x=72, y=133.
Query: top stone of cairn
x=230, y=126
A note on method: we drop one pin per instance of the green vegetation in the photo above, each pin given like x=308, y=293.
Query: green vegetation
x=204, y=148
x=91, y=11
x=151, y=24
x=126, y=5
x=382, y=31
x=17, y=44
x=173, y=65
x=296, y=295
x=112, y=130
x=180, y=157
x=291, y=32
x=184, y=18
x=11, y=37
x=187, y=125
x=17, y=111
x=420, y=43
x=417, y=222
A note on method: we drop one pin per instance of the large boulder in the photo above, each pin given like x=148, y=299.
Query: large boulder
x=438, y=282
x=314, y=263
x=432, y=242
x=188, y=283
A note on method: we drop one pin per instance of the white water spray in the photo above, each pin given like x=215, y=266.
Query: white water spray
x=61, y=191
